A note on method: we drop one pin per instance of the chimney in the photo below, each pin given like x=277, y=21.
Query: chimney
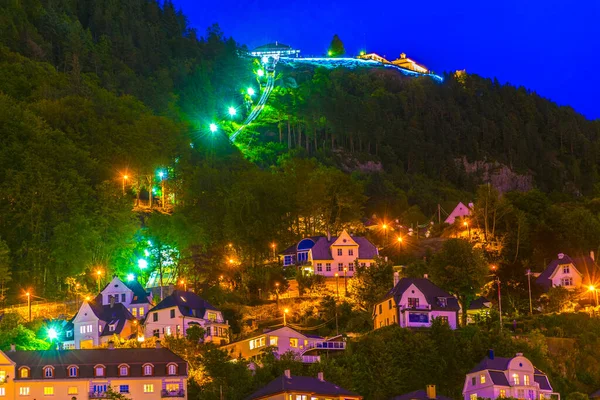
x=328, y=236
x=519, y=355
x=426, y=276
x=491, y=354
x=287, y=373
x=111, y=345
x=592, y=256
x=13, y=348
x=396, y=278
x=158, y=346
x=431, y=392
x=320, y=376
x=561, y=256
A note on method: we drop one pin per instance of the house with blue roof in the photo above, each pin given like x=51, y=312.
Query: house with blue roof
x=429, y=394
x=570, y=272
x=415, y=303
x=502, y=377
x=329, y=256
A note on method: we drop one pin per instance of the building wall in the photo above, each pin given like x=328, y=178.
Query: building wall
x=573, y=273
x=84, y=318
x=179, y=324
x=388, y=314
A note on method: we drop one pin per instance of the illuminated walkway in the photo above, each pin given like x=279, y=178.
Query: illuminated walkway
x=259, y=106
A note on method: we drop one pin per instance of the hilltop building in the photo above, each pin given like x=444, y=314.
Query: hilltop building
x=302, y=387
x=415, y=303
x=283, y=340
x=460, y=211
x=330, y=255
x=181, y=310
x=407, y=63
x=501, y=377
x=570, y=273
x=275, y=50
x=78, y=374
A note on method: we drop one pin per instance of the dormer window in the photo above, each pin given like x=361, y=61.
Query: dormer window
x=99, y=371
x=172, y=369
x=148, y=369
x=24, y=372
x=112, y=327
x=183, y=299
x=123, y=370
x=442, y=301
x=48, y=372
x=481, y=378
x=73, y=371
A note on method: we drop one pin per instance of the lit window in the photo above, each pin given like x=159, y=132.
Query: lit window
x=99, y=370
x=89, y=328
x=24, y=372
x=134, y=311
x=526, y=380
x=481, y=376
x=2, y=376
x=148, y=369
x=24, y=391
x=48, y=390
x=82, y=329
x=48, y=372
x=502, y=393
x=273, y=340
x=293, y=342
x=172, y=387
x=123, y=370
x=212, y=316
x=2, y=391
x=516, y=380
x=172, y=369
x=72, y=390
x=473, y=396
x=141, y=313
x=73, y=371
x=256, y=343
x=148, y=388
x=168, y=330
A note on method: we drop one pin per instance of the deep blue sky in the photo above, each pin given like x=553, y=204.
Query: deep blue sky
x=551, y=47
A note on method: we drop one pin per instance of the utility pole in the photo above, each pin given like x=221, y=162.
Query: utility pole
x=529, y=285
x=337, y=285
x=499, y=302
x=345, y=282
x=439, y=214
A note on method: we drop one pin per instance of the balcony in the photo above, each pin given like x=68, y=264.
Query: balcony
x=420, y=307
x=337, y=345
x=173, y=394
x=97, y=395
x=311, y=359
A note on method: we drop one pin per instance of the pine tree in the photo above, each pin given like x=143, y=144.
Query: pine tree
x=336, y=48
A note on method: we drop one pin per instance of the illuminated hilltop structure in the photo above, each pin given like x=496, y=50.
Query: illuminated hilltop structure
x=275, y=50
x=402, y=62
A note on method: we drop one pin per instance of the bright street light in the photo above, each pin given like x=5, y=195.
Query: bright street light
x=213, y=127
x=265, y=59
x=232, y=111
x=250, y=91
x=143, y=264
x=52, y=334
x=130, y=277
x=260, y=73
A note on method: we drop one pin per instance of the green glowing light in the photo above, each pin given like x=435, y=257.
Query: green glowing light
x=362, y=53
x=146, y=253
x=250, y=91
x=232, y=111
x=213, y=128
x=329, y=53
x=52, y=334
x=130, y=277
x=265, y=59
x=149, y=243
x=143, y=264
x=260, y=72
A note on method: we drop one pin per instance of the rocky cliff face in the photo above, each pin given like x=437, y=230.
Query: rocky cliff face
x=498, y=175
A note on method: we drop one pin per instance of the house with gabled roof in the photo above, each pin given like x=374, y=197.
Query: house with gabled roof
x=287, y=387
x=415, y=303
x=570, y=272
x=502, y=377
x=282, y=340
x=460, y=211
x=130, y=293
x=181, y=310
x=328, y=256
x=429, y=394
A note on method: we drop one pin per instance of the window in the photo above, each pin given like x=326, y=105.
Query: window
x=566, y=282
x=154, y=317
x=473, y=396
x=2, y=391
x=48, y=390
x=521, y=393
x=502, y=393
x=526, y=380
x=301, y=397
x=273, y=340
x=380, y=309
x=442, y=301
x=212, y=316
x=82, y=329
x=421, y=318
x=413, y=302
x=172, y=312
x=256, y=343
x=123, y=370
x=24, y=372
x=444, y=319
x=172, y=369
x=148, y=388
x=389, y=304
x=148, y=370
x=72, y=390
x=340, y=267
x=156, y=333
x=293, y=342
x=134, y=312
x=516, y=380
x=89, y=328
x=531, y=394
x=73, y=371
x=2, y=376
x=287, y=260
x=99, y=387
x=473, y=381
x=350, y=252
x=69, y=333
x=172, y=387
x=99, y=370
x=339, y=252
x=123, y=388
x=111, y=328
x=481, y=377
x=168, y=331
x=319, y=267
x=48, y=372
x=351, y=267
x=566, y=269
x=24, y=391
x=328, y=267
x=122, y=297
x=141, y=313
x=387, y=321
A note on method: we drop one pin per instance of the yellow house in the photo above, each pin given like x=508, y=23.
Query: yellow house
x=288, y=387
x=86, y=374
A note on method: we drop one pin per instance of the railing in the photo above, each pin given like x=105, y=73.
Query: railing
x=311, y=359
x=97, y=395
x=326, y=346
x=172, y=393
x=419, y=307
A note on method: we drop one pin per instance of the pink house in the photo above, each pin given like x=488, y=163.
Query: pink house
x=501, y=377
x=460, y=211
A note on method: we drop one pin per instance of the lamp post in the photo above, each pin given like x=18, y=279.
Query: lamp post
x=161, y=174
x=345, y=282
x=285, y=311
x=337, y=286
x=499, y=302
x=29, y=304
x=125, y=177
x=400, y=242
x=184, y=283
x=277, y=293
x=385, y=229
x=592, y=288
x=273, y=247
x=98, y=275
x=466, y=224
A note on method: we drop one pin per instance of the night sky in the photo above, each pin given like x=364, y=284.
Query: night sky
x=550, y=47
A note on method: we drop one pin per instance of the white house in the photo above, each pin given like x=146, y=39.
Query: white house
x=501, y=377
x=181, y=310
x=415, y=303
x=460, y=211
x=283, y=340
x=570, y=273
x=130, y=293
x=331, y=255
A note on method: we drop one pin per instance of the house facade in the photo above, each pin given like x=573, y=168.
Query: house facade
x=329, y=256
x=460, y=211
x=288, y=387
x=570, y=272
x=501, y=377
x=415, y=303
x=86, y=374
x=283, y=340
x=182, y=310
x=130, y=293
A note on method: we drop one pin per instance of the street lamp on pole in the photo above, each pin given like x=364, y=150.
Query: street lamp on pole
x=125, y=177
x=273, y=247
x=29, y=304
x=593, y=289
x=277, y=293
x=98, y=275
x=385, y=229
x=184, y=283
x=466, y=224
x=285, y=311
x=337, y=286
x=400, y=242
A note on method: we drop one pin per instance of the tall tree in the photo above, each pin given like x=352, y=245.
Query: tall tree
x=336, y=48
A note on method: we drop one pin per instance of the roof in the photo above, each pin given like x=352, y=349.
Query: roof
x=188, y=303
x=497, y=363
x=542, y=380
x=273, y=46
x=301, y=384
x=479, y=303
x=584, y=264
x=429, y=290
x=499, y=378
x=117, y=315
x=419, y=395
x=140, y=296
x=322, y=248
x=87, y=359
